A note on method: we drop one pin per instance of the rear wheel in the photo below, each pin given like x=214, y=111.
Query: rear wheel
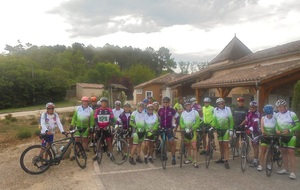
x=120, y=151
x=269, y=162
x=80, y=155
x=163, y=154
x=244, y=156
x=35, y=159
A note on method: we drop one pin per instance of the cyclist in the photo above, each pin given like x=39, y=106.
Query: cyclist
x=223, y=122
x=207, y=112
x=104, y=118
x=93, y=104
x=146, y=102
x=137, y=121
x=151, y=126
x=190, y=122
x=83, y=119
x=117, y=110
x=239, y=115
x=268, y=124
x=196, y=106
x=156, y=107
x=49, y=121
x=252, y=124
x=166, y=115
x=287, y=123
x=124, y=120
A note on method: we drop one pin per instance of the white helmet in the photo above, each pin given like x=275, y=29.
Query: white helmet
x=280, y=102
x=193, y=100
x=207, y=99
x=220, y=100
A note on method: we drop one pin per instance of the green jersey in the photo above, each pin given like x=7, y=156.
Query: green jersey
x=137, y=119
x=189, y=119
x=287, y=121
x=222, y=118
x=208, y=114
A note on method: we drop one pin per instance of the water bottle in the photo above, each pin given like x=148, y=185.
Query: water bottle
x=54, y=148
x=62, y=148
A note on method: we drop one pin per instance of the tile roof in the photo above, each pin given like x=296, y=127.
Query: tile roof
x=248, y=75
x=89, y=85
x=160, y=80
x=234, y=50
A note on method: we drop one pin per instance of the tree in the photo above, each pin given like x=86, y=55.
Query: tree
x=296, y=99
x=139, y=73
x=184, y=67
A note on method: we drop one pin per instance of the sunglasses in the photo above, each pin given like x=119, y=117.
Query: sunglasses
x=165, y=102
x=50, y=108
x=220, y=104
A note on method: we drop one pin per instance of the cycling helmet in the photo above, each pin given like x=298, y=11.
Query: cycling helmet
x=117, y=103
x=140, y=104
x=85, y=98
x=187, y=103
x=193, y=100
x=188, y=134
x=166, y=99
x=207, y=100
x=49, y=104
x=150, y=106
x=155, y=103
x=127, y=104
x=146, y=101
x=99, y=103
x=268, y=109
x=253, y=104
x=280, y=102
x=93, y=99
x=103, y=99
x=219, y=100
x=240, y=99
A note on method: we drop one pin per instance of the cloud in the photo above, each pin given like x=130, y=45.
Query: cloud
x=95, y=18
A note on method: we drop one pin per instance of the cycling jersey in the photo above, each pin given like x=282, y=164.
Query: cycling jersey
x=208, y=112
x=178, y=107
x=117, y=113
x=239, y=115
x=151, y=122
x=103, y=117
x=269, y=125
x=189, y=119
x=137, y=119
x=196, y=107
x=83, y=117
x=252, y=120
x=222, y=118
x=287, y=120
x=124, y=120
x=50, y=122
x=166, y=115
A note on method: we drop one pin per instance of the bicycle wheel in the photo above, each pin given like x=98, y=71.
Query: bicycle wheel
x=120, y=151
x=244, y=156
x=163, y=154
x=35, y=159
x=269, y=161
x=278, y=157
x=208, y=154
x=199, y=139
x=232, y=146
x=80, y=155
x=182, y=150
x=99, y=151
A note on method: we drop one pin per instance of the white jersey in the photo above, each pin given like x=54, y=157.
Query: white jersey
x=50, y=122
x=117, y=113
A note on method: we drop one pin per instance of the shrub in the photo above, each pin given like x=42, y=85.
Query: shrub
x=9, y=117
x=24, y=133
x=37, y=132
x=34, y=122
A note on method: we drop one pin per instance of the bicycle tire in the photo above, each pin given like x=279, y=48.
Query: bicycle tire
x=164, y=154
x=182, y=152
x=278, y=157
x=99, y=151
x=120, y=151
x=244, y=156
x=232, y=146
x=80, y=155
x=32, y=161
x=208, y=154
x=269, y=161
x=199, y=139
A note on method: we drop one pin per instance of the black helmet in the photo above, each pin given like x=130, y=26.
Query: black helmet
x=166, y=99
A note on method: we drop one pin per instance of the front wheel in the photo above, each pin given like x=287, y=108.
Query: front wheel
x=163, y=154
x=278, y=157
x=269, y=162
x=80, y=155
x=244, y=156
x=99, y=151
x=232, y=147
x=35, y=159
x=120, y=151
x=182, y=148
x=209, y=153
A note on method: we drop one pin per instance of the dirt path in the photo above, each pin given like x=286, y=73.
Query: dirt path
x=67, y=175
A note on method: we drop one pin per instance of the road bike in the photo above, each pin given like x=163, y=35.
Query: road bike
x=210, y=146
x=36, y=159
x=101, y=145
x=273, y=154
x=120, y=148
x=232, y=144
x=163, y=146
x=245, y=149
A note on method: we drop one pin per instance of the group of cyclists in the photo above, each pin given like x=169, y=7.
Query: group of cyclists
x=185, y=117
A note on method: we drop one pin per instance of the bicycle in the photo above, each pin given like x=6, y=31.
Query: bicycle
x=200, y=134
x=120, y=148
x=210, y=146
x=36, y=159
x=163, y=147
x=273, y=155
x=183, y=152
x=245, y=149
x=101, y=145
x=232, y=144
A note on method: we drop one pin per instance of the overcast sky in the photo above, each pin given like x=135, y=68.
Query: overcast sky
x=194, y=30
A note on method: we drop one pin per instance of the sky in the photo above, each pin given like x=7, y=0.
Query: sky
x=193, y=30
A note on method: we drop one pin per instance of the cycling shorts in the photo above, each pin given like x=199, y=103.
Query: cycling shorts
x=150, y=137
x=137, y=138
x=288, y=141
x=223, y=135
x=47, y=139
x=84, y=134
x=265, y=141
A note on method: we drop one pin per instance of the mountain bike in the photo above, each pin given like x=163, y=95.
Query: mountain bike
x=210, y=146
x=36, y=159
x=273, y=155
x=120, y=148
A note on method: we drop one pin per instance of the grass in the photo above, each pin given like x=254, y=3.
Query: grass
x=65, y=103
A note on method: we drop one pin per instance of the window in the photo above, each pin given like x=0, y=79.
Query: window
x=148, y=94
x=139, y=91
